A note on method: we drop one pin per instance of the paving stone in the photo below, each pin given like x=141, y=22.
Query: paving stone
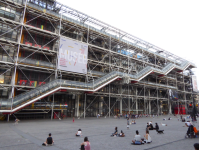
x=30, y=134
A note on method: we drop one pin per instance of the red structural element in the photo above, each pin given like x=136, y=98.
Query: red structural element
x=41, y=83
x=180, y=71
x=118, y=79
x=27, y=43
x=63, y=90
x=38, y=46
x=162, y=75
x=22, y=82
x=46, y=48
x=88, y=92
x=181, y=109
x=152, y=72
x=134, y=81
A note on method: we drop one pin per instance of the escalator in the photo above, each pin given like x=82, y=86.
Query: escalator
x=40, y=92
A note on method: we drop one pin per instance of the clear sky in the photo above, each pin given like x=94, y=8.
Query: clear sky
x=172, y=25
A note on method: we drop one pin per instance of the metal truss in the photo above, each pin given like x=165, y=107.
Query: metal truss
x=109, y=49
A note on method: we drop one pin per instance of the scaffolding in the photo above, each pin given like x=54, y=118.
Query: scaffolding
x=125, y=74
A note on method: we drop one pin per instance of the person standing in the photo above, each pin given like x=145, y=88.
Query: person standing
x=127, y=123
x=16, y=121
x=73, y=119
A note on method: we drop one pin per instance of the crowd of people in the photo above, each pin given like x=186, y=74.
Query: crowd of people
x=137, y=116
x=137, y=139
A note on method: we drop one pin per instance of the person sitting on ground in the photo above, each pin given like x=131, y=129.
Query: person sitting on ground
x=122, y=134
x=115, y=133
x=196, y=146
x=137, y=139
x=163, y=124
x=164, y=119
x=150, y=126
x=79, y=133
x=148, y=138
x=150, y=122
x=49, y=140
x=133, y=122
x=147, y=126
x=183, y=120
x=169, y=118
x=86, y=144
x=156, y=126
x=188, y=123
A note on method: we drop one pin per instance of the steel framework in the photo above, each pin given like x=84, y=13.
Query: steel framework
x=29, y=43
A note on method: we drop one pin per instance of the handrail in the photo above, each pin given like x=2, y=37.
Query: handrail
x=40, y=91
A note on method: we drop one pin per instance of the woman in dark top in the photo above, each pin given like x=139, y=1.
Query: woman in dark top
x=49, y=140
x=156, y=127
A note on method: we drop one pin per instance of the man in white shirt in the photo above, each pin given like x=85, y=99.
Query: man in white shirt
x=137, y=139
x=188, y=123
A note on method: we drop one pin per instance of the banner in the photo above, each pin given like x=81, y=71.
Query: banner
x=173, y=95
x=194, y=82
x=72, y=56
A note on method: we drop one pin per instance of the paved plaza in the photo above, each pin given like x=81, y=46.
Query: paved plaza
x=30, y=134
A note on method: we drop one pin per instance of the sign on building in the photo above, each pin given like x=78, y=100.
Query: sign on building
x=72, y=56
x=194, y=82
x=173, y=95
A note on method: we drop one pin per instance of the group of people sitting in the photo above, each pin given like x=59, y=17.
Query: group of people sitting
x=133, y=122
x=121, y=134
x=84, y=146
x=138, y=140
x=150, y=126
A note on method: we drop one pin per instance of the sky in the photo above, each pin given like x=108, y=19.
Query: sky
x=168, y=24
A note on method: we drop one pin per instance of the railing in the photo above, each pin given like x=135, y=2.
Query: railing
x=33, y=62
x=18, y=1
x=93, y=86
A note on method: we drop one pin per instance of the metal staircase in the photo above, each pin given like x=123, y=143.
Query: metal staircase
x=22, y=100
